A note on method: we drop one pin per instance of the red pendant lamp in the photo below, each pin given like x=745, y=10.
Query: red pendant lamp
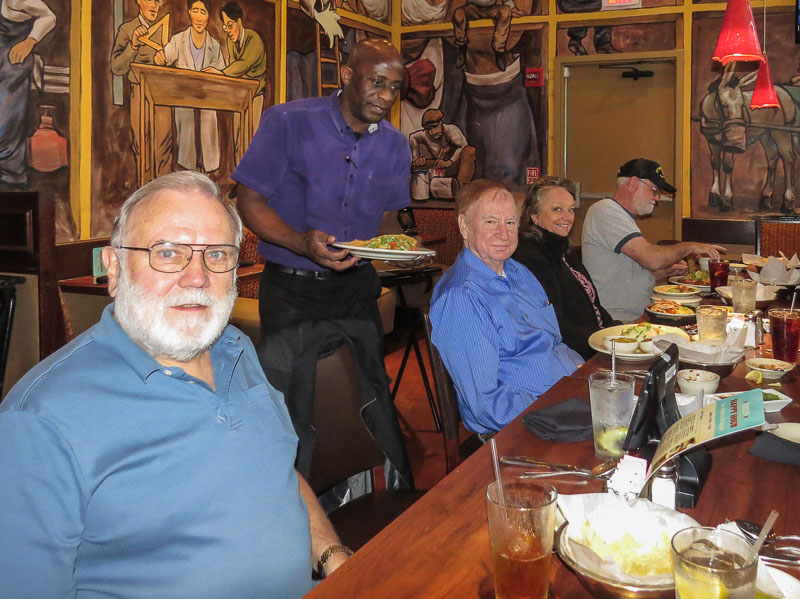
x=738, y=39
x=764, y=95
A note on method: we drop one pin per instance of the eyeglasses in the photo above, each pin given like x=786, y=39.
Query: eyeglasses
x=229, y=26
x=174, y=257
x=656, y=191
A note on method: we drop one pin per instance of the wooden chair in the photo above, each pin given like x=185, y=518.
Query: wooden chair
x=344, y=447
x=248, y=254
x=440, y=222
x=447, y=400
x=775, y=234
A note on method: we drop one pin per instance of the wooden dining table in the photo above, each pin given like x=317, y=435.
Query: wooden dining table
x=440, y=546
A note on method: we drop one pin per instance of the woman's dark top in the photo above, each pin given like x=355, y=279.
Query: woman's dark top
x=568, y=285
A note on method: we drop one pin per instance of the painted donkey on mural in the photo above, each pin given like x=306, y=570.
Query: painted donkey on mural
x=729, y=126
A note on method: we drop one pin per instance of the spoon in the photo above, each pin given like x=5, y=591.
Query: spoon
x=552, y=468
x=602, y=471
x=751, y=530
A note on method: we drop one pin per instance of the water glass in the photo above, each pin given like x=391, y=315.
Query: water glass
x=708, y=562
x=611, y=398
x=711, y=322
x=744, y=294
x=521, y=537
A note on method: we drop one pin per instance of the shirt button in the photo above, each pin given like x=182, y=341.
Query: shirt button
x=190, y=382
x=168, y=372
x=346, y=204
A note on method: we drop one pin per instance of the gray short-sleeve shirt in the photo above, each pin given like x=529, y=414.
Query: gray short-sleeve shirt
x=623, y=285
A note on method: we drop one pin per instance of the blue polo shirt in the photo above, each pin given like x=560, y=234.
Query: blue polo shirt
x=499, y=339
x=125, y=478
x=319, y=174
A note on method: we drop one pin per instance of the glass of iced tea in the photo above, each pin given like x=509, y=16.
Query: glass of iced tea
x=784, y=327
x=521, y=537
x=718, y=269
x=708, y=562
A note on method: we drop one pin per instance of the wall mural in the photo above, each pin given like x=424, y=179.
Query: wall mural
x=744, y=160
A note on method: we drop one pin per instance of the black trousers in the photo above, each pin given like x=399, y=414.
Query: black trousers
x=285, y=299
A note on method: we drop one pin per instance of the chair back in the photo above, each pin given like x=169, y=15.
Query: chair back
x=441, y=223
x=343, y=446
x=8, y=298
x=249, y=253
x=447, y=399
x=776, y=234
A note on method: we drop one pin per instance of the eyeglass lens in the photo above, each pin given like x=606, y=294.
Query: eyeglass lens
x=173, y=257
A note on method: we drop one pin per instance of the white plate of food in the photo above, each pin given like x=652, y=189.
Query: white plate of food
x=671, y=311
x=774, y=401
x=677, y=290
x=769, y=368
x=386, y=247
x=698, y=278
x=641, y=333
x=788, y=584
x=692, y=300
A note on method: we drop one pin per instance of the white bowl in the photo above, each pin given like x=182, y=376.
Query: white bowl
x=692, y=380
x=621, y=347
x=769, y=368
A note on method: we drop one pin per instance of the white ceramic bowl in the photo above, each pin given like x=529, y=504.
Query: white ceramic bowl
x=692, y=380
x=621, y=347
x=769, y=368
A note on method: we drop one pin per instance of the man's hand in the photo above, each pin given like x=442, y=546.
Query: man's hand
x=137, y=33
x=315, y=246
x=443, y=164
x=705, y=249
x=160, y=58
x=676, y=270
x=334, y=561
x=418, y=161
x=20, y=51
x=212, y=70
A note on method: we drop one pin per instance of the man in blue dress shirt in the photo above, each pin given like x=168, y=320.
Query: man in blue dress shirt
x=492, y=322
x=150, y=457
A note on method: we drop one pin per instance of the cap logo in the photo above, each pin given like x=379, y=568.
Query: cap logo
x=659, y=172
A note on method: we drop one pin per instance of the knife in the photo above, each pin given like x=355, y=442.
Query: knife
x=526, y=462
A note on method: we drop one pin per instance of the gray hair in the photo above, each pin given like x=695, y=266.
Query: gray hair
x=183, y=182
x=622, y=181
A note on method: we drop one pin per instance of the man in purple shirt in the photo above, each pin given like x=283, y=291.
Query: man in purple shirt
x=321, y=170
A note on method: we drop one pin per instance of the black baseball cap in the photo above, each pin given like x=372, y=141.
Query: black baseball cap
x=643, y=168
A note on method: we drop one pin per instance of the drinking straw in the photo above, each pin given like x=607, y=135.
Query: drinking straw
x=765, y=530
x=794, y=297
x=613, y=360
x=496, y=464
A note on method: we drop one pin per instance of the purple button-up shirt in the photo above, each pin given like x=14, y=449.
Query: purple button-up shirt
x=319, y=174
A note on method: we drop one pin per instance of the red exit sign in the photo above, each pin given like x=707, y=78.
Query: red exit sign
x=614, y=4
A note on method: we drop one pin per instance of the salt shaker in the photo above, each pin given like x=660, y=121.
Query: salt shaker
x=750, y=325
x=664, y=486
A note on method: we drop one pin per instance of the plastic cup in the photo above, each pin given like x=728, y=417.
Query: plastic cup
x=711, y=322
x=611, y=398
x=744, y=294
x=708, y=562
x=718, y=269
x=784, y=327
x=521, y=537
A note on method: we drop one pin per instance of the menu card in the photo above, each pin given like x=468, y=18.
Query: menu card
x=720, y=418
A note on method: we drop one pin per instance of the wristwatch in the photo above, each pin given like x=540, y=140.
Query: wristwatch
x=326, y=555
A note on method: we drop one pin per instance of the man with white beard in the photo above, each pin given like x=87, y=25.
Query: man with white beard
x=150, y=457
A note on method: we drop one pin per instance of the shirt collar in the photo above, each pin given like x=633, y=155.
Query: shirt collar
x=482, y=270
x=633, y=216
x=338, y=118
x=110, y=335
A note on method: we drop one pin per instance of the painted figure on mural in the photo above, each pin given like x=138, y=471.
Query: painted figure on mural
x=730, y=126
x=246, y=58
x=23, y=24
x=500, y=12
x=441, y=158
x=602, y=33
x=128, y=48
x=195, y=48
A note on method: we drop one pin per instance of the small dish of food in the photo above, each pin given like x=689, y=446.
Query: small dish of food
x=698, y=278
x=677, y=290
x=692, y=380
x=621, y=344
x=769, y=368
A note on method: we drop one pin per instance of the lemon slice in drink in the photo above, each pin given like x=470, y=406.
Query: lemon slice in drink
x=707, y=587
x=754, y=376
x=611, y=440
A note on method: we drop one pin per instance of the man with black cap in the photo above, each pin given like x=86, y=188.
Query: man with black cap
x=623, y=264
x=443, y=146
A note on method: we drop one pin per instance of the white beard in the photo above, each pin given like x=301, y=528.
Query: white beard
x=142, y=317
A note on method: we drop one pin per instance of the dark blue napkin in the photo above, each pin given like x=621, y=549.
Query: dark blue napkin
x=565, y=422
x=773, y=448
